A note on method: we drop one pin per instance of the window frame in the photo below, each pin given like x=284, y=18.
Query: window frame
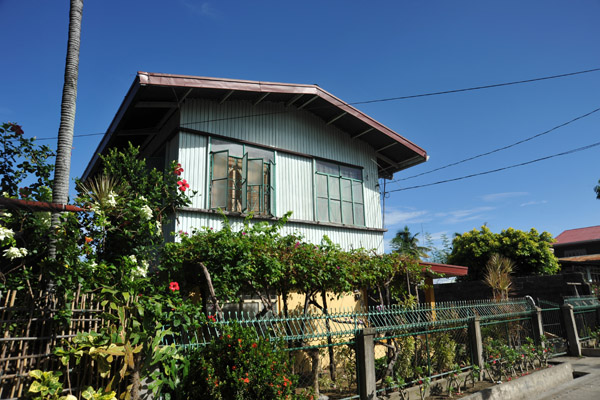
x=266, y=191
x=340, y=194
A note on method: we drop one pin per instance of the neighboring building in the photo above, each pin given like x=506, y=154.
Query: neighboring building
x=264, y=148
x=578, y=250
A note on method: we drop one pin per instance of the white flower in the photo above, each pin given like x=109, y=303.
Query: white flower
x=14, y=252
x=5, y=233
x=93, y=265
x=7, y=215
x=141, y=270
x=133, y=259
x=146, y=212
x=45, y=219
x=112, y=199
x=158, y=228
x=143, y=198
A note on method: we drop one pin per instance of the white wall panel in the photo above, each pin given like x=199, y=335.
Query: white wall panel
x=294, y=187
x=348, y=239
x=295, y=130
x=192, y=156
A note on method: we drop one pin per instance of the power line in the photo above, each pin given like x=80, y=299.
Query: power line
x=376, y=100
x=499, y=148
x=498, y=169
x=495, y=85
x=82, y=135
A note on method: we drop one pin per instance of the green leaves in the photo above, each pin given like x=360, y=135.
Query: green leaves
x=46, y=385
x=531, y=251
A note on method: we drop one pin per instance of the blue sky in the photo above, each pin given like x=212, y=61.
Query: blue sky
x=358, y=51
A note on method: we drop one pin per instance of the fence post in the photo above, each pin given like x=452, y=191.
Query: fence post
x=476, y=343
x=365, y=358
x=538, y=326
x=571, y=329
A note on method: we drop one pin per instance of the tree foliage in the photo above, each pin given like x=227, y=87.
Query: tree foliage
x=530, y=251
x=407, y=244
x=597, y=190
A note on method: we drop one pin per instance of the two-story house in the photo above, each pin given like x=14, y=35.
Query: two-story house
x=578, y=250
x=264, y=148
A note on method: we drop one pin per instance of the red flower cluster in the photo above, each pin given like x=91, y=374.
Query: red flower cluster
x=15, y=128
x=178, y=170
x=173, y=286
x=183, y=185
x=212, y=318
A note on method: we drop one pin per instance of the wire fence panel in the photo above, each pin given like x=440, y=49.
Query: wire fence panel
x=587, y=322
x=512, y=332
x=585, y=309
x=404, y=357
x=554, y=328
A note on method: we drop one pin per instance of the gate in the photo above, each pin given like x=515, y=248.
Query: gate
x=553, y=327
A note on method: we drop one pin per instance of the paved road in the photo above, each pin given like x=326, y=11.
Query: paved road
x=586, y=387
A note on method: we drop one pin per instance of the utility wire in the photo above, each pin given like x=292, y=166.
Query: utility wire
x=500, y=148
x=495, y=85
x=498, y=169
x=375, y=100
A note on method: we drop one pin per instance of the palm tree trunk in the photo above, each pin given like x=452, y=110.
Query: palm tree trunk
x=60, y=186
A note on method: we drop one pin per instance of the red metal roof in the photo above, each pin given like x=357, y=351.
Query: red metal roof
x=578, y=235
x=153, y=97
x=446, y=269
x=37, y=205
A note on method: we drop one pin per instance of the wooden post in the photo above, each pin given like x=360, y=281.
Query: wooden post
x=365, y=359
x=571, y=330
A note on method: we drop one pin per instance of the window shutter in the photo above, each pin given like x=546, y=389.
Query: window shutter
x=271, y=188
x=219, y=183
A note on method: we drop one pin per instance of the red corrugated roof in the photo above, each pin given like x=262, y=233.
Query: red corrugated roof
x=446, y=269
x=37, y=205
x=579, y=235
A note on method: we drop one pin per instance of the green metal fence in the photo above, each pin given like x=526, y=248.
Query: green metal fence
x=431, y=339
x=585, y=309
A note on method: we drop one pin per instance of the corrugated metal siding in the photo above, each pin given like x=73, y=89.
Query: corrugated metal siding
x=294, y=187
x=348, y=239
x=192, y=156
x=291, y=129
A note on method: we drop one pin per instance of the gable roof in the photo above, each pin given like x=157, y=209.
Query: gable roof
x=153, y=98
x=578, y=235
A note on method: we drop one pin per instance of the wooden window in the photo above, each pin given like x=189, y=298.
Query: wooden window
x=339, y=194
x=242, y=178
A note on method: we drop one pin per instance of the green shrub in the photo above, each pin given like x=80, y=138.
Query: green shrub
x=238, y=365
x=444, y=352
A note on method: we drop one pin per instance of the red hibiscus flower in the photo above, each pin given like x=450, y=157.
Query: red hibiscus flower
x=178, y=170
x=183, y=185
x=173, y=286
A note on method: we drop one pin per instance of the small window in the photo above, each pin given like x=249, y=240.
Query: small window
x=339, y=193
x=242, y=178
